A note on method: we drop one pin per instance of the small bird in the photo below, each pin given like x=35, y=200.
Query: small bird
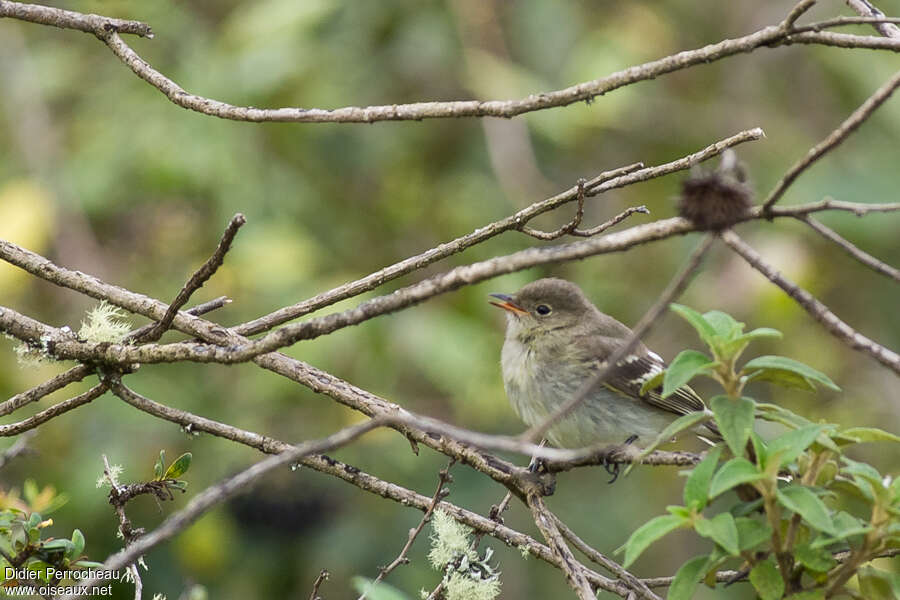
x=556, y=342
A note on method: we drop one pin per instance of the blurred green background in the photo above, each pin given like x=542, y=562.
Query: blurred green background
x=99, y=172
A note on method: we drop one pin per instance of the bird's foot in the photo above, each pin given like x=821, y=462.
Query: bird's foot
x=610, y=463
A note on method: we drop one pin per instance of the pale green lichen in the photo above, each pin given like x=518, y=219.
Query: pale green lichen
x=105, y=323
x=466, y=575
x=111, y=479
x=28, y=357
x=461, y=586
x=449, y=540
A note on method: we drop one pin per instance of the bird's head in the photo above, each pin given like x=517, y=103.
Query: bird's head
x=544, y=305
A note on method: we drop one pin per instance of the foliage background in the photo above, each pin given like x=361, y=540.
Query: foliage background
x=102, y=174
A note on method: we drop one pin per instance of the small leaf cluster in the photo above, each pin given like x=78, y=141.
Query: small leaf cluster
x=23, y=545
x=788, y=533
x=169, y=475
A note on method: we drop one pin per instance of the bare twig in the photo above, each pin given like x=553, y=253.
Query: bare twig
x=196, y=280
x=774, y=35
x=816, y=309
x=78, y=373
x=672, y=291
x=796, y=12
x=19, y=447
x=321, y=578
x=837, y=136
x=851, y=249
x=640, y=588
x=54, y=411
x=443, y=479
x=224, y=490
x=866, y=8
x=574, y=570
x=842, y=21
x=611, y=223
x=48, y=387
x=67, y=19
x=604, y=182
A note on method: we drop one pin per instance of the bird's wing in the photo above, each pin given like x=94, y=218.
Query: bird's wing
x=629, y=375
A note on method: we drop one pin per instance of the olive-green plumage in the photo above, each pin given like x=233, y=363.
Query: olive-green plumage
x=556, y=342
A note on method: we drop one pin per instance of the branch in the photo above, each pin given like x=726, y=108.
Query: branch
x=604, y=182
x=196, y=280
x=67, y=19
x=816, y=309
x=851, y=249
x=574, y=570
x=107, y=30
x=54, y=411
x=866, y=8
x=19, y=447
x=640, y=588
x=224, y=490
x=837, y=136
x=441, y=492
x=78, y=373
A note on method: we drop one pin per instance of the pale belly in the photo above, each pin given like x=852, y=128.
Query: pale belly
x=537, y=388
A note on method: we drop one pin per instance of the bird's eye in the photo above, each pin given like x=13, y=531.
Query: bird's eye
x=543, y=309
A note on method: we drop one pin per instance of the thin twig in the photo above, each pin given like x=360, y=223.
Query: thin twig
x=815, y=308
x=611, y=223
x=568, y=227
x=196, y=280
x=672, y=291
x=19, y=447
x=321, y=578
x=573, y=570
x=796, y=12
x=639, y=587
x=837, y=136
x=224, y=490
x=67, y=19
x=79, y=372
x=440, y=493
x=609, y=180
x=866, y=8
x=774, y=35
x=851, y=249
x=54, y=411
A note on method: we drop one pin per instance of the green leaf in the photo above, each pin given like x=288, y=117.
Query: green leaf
x=696, y=488
x=722, y=530
x=786, y=371
x=751, y=533
x=179, y=467
x=817, y=594
x=777, y=414
x=160, y=465
x=767, y=580
x=685, y=367
x=56, y=544
x=379, y=591
x=648, y=533
x=677, y=426
x=77, y=543
x=736, y=471
x=735, y=420
x=875, y=584
x=818, y=560
x=858, y=435
x=687, y=578
x=788, y=446
x=704, y=329
x=805, y=503
x=33, y=520
x=724, y=325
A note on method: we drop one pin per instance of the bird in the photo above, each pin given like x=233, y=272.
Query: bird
x=556, y=342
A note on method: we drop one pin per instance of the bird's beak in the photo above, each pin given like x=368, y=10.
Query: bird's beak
x=506, y=303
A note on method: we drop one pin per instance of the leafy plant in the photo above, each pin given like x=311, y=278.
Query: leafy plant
x=794, y=540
